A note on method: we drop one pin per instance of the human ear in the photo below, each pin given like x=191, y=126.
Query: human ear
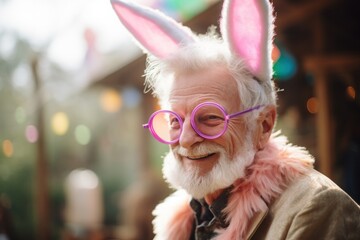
x=266, y=123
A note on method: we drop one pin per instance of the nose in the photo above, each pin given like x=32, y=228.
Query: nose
x=188, y=136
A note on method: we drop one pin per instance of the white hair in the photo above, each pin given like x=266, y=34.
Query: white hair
x=209, y=51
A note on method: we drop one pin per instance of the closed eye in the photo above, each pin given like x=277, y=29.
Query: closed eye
x=211, y=120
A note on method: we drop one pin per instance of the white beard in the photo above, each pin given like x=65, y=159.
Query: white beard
x=223, y=174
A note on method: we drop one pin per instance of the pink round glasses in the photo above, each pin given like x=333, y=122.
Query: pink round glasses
x=209, y=120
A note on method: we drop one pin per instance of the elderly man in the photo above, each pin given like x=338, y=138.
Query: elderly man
x=235, y=178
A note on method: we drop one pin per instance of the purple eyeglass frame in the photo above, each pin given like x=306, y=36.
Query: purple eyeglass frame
x=149, y=125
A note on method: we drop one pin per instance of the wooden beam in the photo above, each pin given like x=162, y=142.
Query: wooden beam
x=320, y=65
x=295, y=14
x=323, y=125
x=42, y=199
x=323, y=62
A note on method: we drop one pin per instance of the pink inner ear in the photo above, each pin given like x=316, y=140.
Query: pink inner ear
x=246, y=27
x=150, y=35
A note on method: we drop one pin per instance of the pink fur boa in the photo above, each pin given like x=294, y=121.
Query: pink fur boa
x=274, y=167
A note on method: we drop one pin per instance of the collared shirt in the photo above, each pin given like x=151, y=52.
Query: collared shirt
x=209, y=218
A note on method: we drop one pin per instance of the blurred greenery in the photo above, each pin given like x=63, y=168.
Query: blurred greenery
x=113, y=151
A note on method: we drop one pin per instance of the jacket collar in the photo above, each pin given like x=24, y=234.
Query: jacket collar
x=255, y=222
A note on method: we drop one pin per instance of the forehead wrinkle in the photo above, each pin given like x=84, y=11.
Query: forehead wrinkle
x=215, y=85
x=211, y=94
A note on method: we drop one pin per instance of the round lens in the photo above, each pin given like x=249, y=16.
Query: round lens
x=166, y=126
x=209, y=120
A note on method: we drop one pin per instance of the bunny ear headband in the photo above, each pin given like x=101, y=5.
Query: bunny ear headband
x=246, y=26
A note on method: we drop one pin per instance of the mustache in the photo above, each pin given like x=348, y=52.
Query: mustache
x=198, y=150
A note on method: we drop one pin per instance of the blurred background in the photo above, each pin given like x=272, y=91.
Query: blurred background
x=75, y=162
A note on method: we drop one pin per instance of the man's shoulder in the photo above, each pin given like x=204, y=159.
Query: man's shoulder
x=311, y=188
x=311, y=207
x=313, y=182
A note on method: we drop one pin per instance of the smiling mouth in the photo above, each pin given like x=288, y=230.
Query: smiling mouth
x=200, y=157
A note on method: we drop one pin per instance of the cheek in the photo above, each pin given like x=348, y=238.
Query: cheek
x=173, y=151
x=235, y=137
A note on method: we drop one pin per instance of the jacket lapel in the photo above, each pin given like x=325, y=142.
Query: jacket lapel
x=255, y=223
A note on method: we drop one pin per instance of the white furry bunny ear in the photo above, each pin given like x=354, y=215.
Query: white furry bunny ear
x=247, y=26
x=155, y=32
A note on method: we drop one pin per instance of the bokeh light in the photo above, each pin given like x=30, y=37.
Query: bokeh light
x=312, y=105
x=185, y=8
x=84, y=202
x=31, y=133
x=20, y=115
x=21, y=76
x=60, y=123
x=351, y=92
x=83, y=178
x=275, y=53
x=131, y=97
x=285, y=66
x=111, y=100
x=7, y=44
x=8, y=148
x=82, y=134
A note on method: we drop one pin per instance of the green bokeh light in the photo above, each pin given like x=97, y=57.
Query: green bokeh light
x=82, y=134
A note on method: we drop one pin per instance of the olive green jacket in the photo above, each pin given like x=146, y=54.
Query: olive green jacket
x=313, y=207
